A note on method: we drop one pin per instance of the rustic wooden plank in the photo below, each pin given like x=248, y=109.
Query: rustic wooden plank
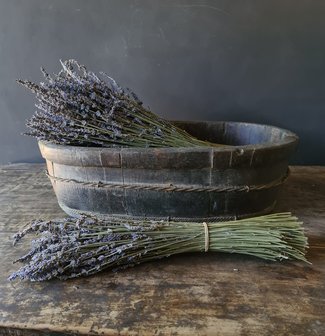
x=25, y=194
x=201, y=294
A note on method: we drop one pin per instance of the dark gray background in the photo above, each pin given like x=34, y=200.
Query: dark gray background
x=259, y=61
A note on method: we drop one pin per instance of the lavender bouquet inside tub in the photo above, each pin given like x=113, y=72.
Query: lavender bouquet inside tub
x=78, y=107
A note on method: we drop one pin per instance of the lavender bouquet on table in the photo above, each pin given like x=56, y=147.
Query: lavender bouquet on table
x=72, y=247
x=78, y=107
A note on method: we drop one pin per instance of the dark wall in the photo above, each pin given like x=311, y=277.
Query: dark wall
x=259, y=61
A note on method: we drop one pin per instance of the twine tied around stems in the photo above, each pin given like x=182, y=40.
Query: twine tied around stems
x=206, y=237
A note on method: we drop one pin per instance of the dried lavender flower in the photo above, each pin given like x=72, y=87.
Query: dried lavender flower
x=73, y=247
x=78, y=107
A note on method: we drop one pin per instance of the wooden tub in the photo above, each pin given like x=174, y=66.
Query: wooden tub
x=200, y=184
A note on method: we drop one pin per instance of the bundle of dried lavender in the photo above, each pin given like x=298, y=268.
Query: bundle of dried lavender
x=71, y=247
x=77, y=107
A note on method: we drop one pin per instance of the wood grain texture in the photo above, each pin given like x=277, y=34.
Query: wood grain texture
x=201, y=294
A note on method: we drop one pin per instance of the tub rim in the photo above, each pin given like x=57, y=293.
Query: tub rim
x=210, y=156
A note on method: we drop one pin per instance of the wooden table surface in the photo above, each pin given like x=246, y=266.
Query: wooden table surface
x=198, y=294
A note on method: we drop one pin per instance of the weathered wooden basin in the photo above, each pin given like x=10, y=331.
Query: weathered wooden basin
x=176, y=183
